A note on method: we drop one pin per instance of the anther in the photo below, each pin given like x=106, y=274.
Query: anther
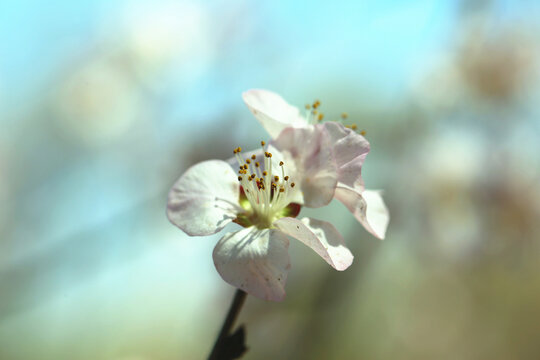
x=281, y=163
x=286, y=178
x=263, y=143
x=282, y=189
x=253, y=157
x=292, y=184
x=353, y=126
x=248, y=161
x=363, y=132
x=239, y=178
x=257, y=164
x=245, y=167
x=344, y=115
x=308, y=106
x=265, y=173
x=276, y=178
x=320, y=117
x=316, y=104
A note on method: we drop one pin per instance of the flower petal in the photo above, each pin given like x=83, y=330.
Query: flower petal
x=315, y=169
x=367, y=207
x=256, y=261
x=204, y=199
x=349, y=150
x=321, y=236
x=272, y=111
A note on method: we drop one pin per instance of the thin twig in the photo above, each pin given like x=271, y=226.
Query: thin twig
x=218, y=349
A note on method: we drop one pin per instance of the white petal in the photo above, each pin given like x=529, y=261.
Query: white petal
x=205, y=198
x=321, y=236
x=256, y=261
x=312, y=156
x=272, y=111
x=368, y=208
x=349, y=150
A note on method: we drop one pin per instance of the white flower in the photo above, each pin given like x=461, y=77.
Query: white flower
x=293, y=133
x=261, y=197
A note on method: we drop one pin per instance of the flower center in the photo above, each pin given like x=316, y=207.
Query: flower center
x=265, y=195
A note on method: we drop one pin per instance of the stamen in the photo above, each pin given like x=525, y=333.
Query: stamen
x=266, y=192
x=363, y=132
x=344, y=115
x=320, y=117
x=353, y=126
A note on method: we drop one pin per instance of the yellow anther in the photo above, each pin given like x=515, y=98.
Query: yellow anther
x=245, y=166
x=316, y=104
x=308, y=106
x=320, y=117
x=248, y=161
x=238, y=149
x=286, y=178
x=263, y=143
x=239, y=178
x=281, y=189
x=276, y=178
x=253, y=157
x=292, y=184
x=353, y=126
x=344, y=115
x=314, y=112
x=257, y=164
x=363, y=132
x=265, y=173
x=281, y=163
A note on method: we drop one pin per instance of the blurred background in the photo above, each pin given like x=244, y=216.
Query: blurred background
x=104, y=104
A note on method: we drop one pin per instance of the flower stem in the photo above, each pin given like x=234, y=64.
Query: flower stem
x=223, y=347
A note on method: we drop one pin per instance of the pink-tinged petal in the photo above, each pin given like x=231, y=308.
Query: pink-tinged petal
x=321, y=236
x=272, y=111
x=256, y=261
x=368, y=208
x=350, y=150
x=315, y=170
x=205, y=198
